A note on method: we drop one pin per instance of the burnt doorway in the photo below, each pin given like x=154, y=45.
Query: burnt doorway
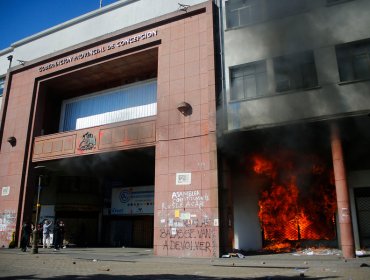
x=283, y=188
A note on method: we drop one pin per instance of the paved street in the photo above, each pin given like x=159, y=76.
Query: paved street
x=133, y=264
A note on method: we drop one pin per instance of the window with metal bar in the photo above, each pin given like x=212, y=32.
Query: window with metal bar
x=248, y=81
x=354, y=61
x=296, y=71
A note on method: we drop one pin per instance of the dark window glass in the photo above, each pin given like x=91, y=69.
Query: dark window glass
x=333, y=2
x=282, y=8
x=2, y=80
x=296, y=71
x=354, y=61
x=243, y=12
x=248, y=81
x=246, y=12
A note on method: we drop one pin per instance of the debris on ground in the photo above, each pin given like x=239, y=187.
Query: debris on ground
x=360, y=253
x=318, y=252
x=234, y=255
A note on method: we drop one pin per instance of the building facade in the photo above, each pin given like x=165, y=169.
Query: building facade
x=295, y=165
x=114, y=118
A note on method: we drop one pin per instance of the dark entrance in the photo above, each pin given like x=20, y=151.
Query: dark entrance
x=130, y=231
x=362, y=197
x=79, y=190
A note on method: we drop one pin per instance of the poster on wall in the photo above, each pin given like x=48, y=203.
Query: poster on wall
x=133, y=201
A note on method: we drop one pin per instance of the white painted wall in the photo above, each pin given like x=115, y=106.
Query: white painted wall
x=4, y=62
x=247, y=229
x=319, y=29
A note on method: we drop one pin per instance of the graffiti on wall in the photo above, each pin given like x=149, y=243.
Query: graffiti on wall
x=186, y=199
x=186, y=226
x=7, y=225
x=192, y=235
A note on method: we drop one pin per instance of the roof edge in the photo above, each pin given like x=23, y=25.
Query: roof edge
x=71, y=22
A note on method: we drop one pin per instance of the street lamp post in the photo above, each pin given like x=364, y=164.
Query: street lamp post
x=35, y=248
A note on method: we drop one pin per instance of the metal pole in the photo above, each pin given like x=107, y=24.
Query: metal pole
x=35, y=249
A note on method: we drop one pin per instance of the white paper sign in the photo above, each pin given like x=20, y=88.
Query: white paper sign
x=183, y=178
x=5, y=191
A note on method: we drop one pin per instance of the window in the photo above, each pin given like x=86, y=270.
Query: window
x=248, y=81
x=296, y=71
x=354, y=61
x=334, y=2
x=243, y=12
x=128, y=102
x=2, y=80
x=247, y=12
x=283, y=8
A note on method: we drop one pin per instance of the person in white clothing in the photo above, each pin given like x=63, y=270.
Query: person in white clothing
x=46, y=234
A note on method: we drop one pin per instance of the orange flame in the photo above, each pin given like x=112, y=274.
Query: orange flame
x=300, y=203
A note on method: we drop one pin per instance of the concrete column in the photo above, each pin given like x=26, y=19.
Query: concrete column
x=344, y=215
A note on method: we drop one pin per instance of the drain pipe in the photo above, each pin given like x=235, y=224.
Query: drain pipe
x=344, y=215
x=223, y=117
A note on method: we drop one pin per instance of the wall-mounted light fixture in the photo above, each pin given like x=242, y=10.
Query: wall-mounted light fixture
x=185, y=108
x=12, y=141
x=10, y=58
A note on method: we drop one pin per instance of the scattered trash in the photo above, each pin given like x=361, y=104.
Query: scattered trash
x=234, y=255
x=95, y=260
x=364, y=265
x=318, y=252
x=360, y=253
x=74, y=262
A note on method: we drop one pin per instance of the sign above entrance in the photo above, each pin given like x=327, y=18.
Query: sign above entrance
x=133, y=201
x=101, y=49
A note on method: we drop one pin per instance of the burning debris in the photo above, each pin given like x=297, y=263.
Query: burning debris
x=298, y=204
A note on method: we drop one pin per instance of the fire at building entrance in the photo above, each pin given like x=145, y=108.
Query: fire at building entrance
x=297, y=205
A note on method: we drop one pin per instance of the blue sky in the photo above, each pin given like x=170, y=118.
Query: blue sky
x=22, y=18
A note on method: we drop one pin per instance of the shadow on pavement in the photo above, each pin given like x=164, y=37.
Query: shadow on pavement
x=162, y=277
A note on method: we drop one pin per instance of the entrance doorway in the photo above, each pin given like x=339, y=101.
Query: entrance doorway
x=81, y=191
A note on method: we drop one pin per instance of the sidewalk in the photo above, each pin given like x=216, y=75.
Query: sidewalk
x=133, y=264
